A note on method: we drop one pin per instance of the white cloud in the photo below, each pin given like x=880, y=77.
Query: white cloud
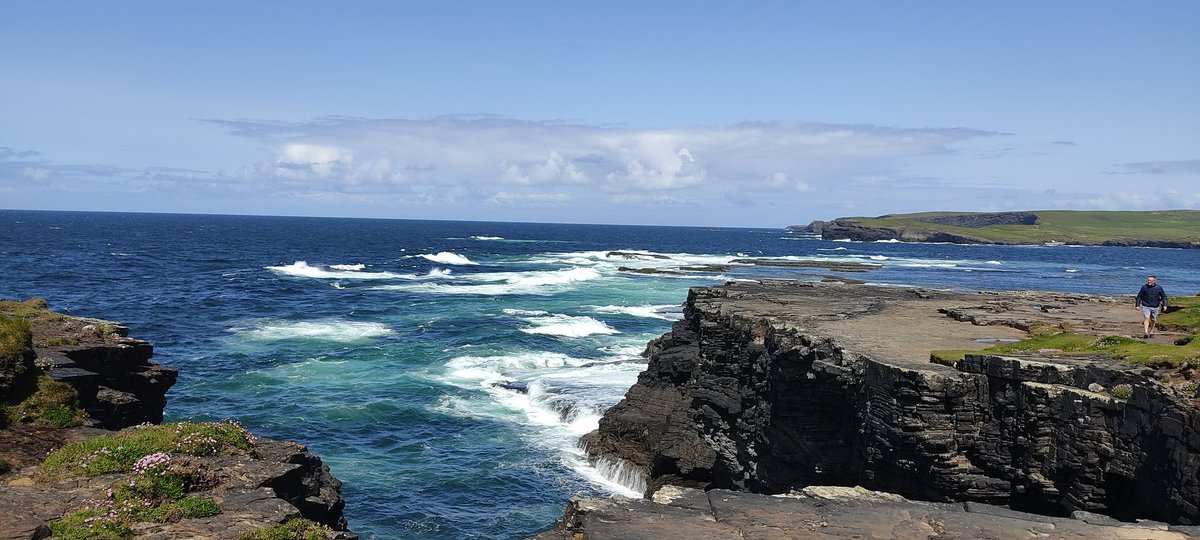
x=450, y=152
x=506, y=198
x=554, y=169
x=35, y=174
x=1189, y=167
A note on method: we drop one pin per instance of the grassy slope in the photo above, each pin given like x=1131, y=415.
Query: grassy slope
x=1067, y=226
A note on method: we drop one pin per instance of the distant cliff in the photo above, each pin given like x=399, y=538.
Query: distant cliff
x=1168, y=229
x=771, y=387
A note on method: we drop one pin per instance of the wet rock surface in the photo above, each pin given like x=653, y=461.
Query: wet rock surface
x=773, y=386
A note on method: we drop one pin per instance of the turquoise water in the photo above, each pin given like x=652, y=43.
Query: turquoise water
x=445, y=370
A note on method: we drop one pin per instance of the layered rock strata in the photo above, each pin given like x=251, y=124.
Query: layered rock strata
x=772, y=386
x=118, y=383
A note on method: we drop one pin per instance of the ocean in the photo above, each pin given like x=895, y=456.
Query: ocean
x=445, y=370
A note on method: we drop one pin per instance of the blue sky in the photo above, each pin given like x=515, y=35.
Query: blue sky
x=687, y=113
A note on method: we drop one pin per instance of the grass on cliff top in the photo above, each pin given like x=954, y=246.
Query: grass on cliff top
x=44, y=402
x=119, y=452
x=27, y=309
x=1185, y=351
x=16, y=337
x=293, y=529
x=1088, y=227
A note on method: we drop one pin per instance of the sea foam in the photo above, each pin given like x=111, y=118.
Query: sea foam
x=667, y=312
x=337, y=271
x=327, y=330
x=446, y=257
x=505, y=283
x=567, y=326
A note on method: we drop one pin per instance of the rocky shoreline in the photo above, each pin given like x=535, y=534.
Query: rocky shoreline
x=118, y=390
x=775, y=387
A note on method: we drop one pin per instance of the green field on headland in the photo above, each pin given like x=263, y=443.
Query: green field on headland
x=1173, y=228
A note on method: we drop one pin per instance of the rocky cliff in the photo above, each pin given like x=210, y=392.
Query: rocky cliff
x=74, y=380
x=770, y=387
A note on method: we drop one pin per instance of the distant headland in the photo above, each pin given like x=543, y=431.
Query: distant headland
x=1167, y=229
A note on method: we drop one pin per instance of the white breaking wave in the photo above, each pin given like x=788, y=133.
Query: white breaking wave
x=523, y=387
x=1071, y=270
x=567, y=326
x=302, y=269
x=487, y=238
x=526, y=312
x=667, y=312
x=994, y=262
x=506, y=283
x=879, y=257
x=439, y=273
x=839, y=248
x=446, y=257
x=354, y=267
x=329, y=330
x=490, y=369
x=888, y=241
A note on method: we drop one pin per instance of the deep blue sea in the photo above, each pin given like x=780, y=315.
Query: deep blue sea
x=393, y=348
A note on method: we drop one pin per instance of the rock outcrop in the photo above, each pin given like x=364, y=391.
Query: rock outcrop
x=828, y=512
x=118, y=383
x=119, y=386
x=849, y=229
x=771, y=387
x=279, y=481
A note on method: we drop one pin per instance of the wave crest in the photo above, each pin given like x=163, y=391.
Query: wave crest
x=446, y=257
x=567, y=326
x=337, y=271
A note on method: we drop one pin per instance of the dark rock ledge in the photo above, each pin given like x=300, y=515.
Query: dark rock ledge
x=827, y=512
x=119, y=386
x=774, y=387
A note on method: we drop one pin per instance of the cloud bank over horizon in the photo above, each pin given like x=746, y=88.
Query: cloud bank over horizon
x=490, y=167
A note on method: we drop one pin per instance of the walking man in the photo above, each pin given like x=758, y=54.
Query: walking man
x=1151, y=300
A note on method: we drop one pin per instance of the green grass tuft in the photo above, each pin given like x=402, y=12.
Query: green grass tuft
x=50, y=403
x=119, y=452
x=295, y=529
x=90, y=524
x=16, y=337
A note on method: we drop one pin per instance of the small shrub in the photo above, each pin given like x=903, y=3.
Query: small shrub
x=295, y=529
x=53, y=403
x=197, y=507
x=1185, y=340
x=91, y=524
x=1122, y=391
x=15, y=338
x=4, y=467
x=60, y=341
